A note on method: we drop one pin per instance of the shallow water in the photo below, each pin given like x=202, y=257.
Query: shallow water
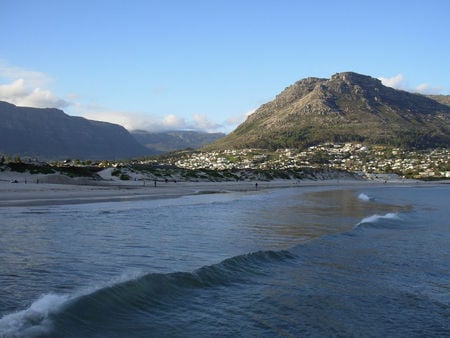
x=289, y=262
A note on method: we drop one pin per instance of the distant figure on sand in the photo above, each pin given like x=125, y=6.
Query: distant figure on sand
x=256, y=185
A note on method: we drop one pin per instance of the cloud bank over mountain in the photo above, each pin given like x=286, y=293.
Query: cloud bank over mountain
x=28, y=88
x=399, y=82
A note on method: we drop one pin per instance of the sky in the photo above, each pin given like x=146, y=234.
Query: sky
x=206, y=65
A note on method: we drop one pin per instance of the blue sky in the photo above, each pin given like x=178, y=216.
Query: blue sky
x=207, y=64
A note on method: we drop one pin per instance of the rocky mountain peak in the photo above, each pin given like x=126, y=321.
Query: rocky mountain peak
x=345, y=83
x=352, y=78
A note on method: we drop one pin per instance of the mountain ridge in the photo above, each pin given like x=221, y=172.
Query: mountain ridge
x=49, y=133
x=348, y=107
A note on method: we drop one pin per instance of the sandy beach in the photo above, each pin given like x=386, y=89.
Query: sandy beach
x=29, y=194
x=22, y=189
x=21, y=194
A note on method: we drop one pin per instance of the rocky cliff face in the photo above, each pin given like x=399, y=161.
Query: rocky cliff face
x=52, y=134
x=346, y=107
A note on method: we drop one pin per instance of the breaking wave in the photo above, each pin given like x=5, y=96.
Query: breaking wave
x=363, y=197
x=33, y=321
x=376, y=220
x=121, y=301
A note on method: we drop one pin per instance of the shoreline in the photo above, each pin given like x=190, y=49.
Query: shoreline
x=32, y=194
x=23, y=194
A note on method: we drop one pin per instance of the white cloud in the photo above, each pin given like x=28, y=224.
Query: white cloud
x=173, y=122
x=201, y=122
x=148, y=122
x=131, y=121
x=13, y=89
x=425, y=88
x=27, y=88
x=19, y=94
x=397, y=81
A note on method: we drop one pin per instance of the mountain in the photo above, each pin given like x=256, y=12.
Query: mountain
x=163, y=142
x=51, y=134
x=347, y=107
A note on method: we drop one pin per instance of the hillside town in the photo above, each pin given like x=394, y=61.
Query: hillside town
x=365, y=160
x=369, y=162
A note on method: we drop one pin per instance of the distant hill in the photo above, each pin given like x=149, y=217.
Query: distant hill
x=444, y=99
x=163, y=142
x=348, y=107
x=51, y=134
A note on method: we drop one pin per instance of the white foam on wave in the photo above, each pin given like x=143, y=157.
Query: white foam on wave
x=35, y=321
x=375, y=218
x=363, y=197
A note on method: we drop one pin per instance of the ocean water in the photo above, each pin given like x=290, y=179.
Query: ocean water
x=300, y=262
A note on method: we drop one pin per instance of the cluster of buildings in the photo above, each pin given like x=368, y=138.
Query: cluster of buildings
x=351, y=157
x=368, y=161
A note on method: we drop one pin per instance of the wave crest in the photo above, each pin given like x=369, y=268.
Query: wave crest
x=34, y=320
x=363, y=197
x=373, y=220
x=139, y=293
